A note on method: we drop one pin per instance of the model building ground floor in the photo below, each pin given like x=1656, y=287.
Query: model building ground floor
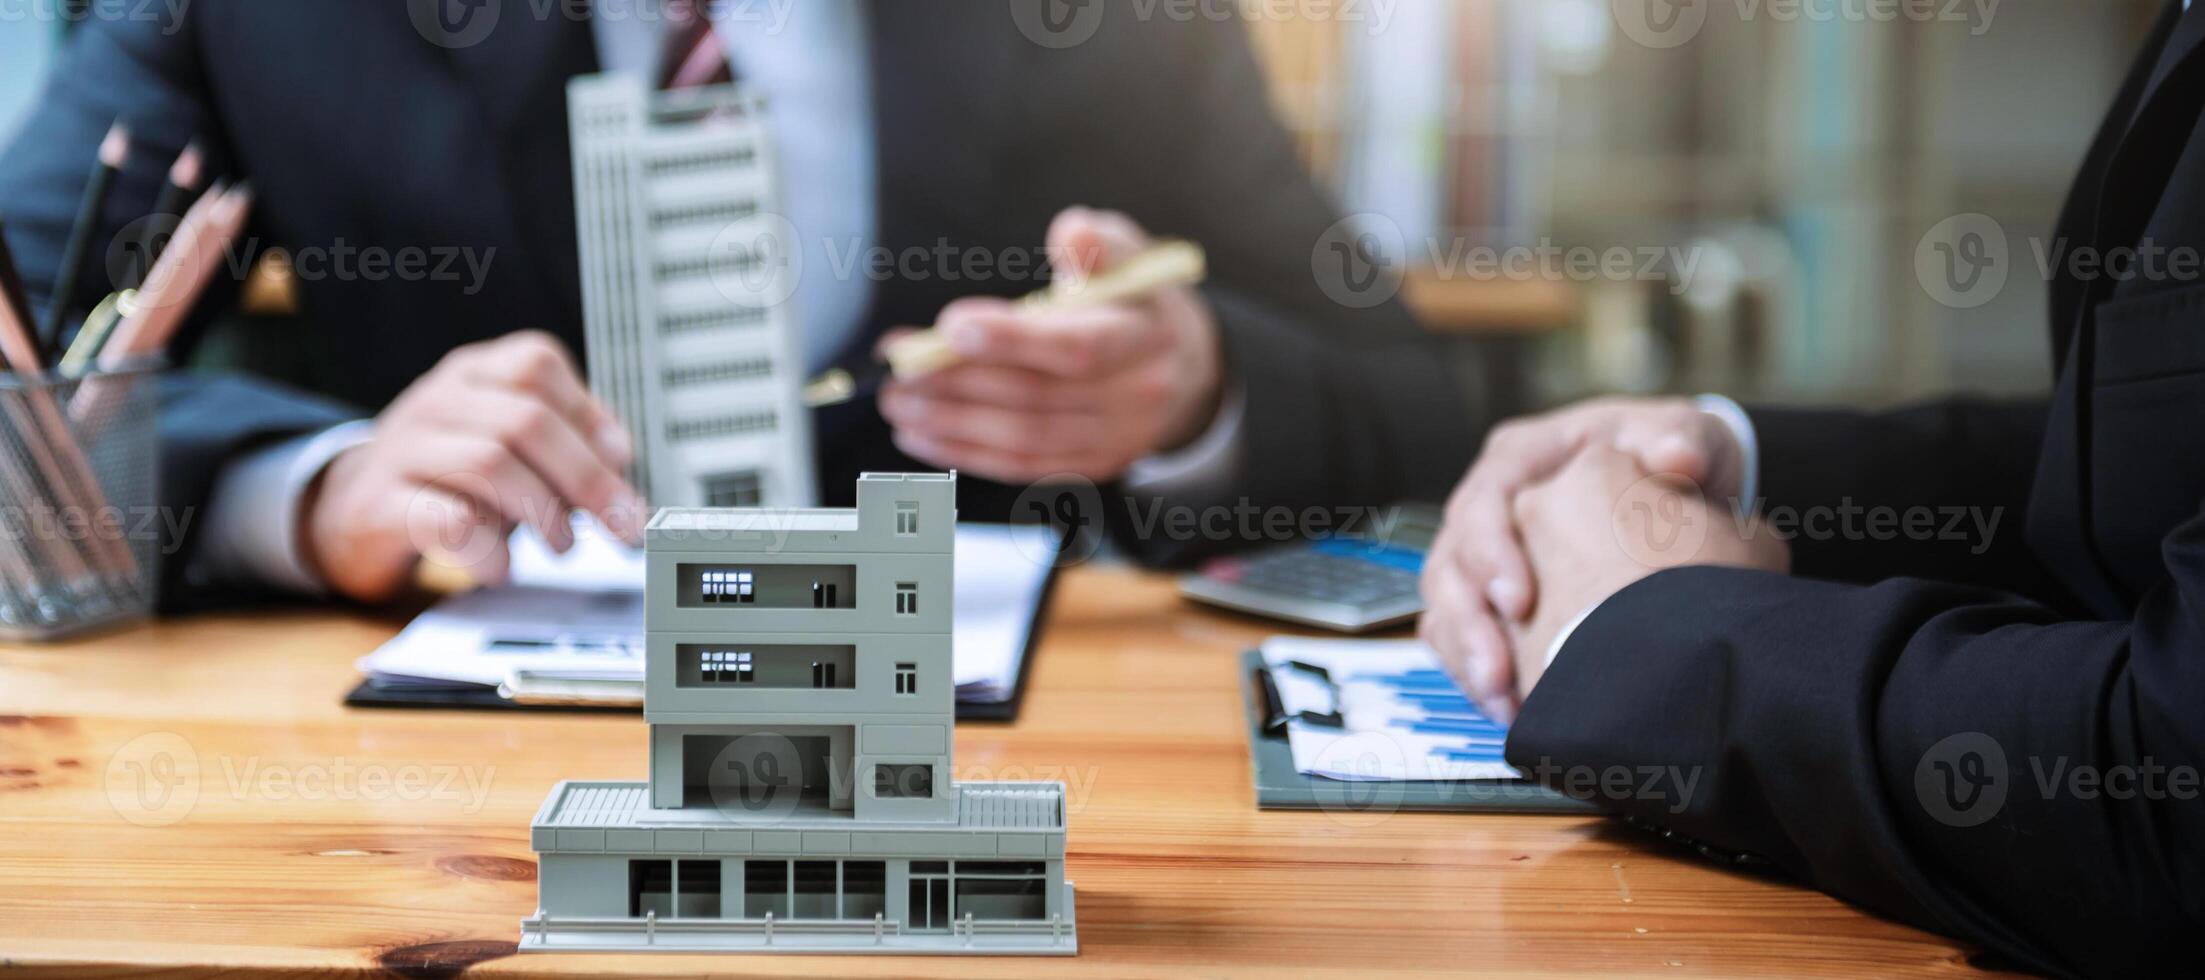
x=615, y=874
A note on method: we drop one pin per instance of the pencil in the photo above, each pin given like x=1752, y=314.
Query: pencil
x=34, y=429
x=183, y=181
x=93, y=335
x=181, y=276
x=18, y=344
x=114, y=151
x=1163, y=266
x=12, y=293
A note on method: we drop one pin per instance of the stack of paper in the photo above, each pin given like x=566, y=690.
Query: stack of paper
x=577, y=619
x=1401, y=717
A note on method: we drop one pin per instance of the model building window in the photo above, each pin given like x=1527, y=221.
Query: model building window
x=928, y=910
x=727, y=667
x=903, y=782
x=907, y=678
x=765, y=889
x=744, y=489
x=825, y=595
x=907, y=517
x=699, y=889
x=823, y=674
x=815, y=890
x=730, y=587
x=1000, y=898
x=650, y=889
x=864, y=889
x=907, y=598
x=1001, y=889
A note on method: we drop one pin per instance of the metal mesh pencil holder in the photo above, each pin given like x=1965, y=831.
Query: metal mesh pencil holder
x=79, y=541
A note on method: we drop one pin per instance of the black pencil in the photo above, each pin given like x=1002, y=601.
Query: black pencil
x=114, y=150
x=183, y=182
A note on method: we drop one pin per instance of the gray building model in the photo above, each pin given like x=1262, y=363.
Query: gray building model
x=801, y=703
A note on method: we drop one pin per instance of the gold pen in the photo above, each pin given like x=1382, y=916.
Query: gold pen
x=1165, y=265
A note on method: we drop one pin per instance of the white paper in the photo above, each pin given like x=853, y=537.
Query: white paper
x=1375, y=686
x=580, y=615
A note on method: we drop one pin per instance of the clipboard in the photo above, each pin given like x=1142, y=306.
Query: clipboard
x=1280, y=786
x=371, y=694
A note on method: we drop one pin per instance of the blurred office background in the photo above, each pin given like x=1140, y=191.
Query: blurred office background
x=1801, y=159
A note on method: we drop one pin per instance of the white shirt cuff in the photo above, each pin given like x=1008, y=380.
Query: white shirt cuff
x=251, y=534
x=1734, y=417
x=1209, y=462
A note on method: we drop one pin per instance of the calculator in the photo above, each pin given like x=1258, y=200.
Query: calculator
x=1347, y=583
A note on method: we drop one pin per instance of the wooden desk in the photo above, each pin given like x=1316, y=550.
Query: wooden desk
x=319, y=838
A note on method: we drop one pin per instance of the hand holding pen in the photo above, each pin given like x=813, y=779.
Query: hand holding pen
x=1118, y=362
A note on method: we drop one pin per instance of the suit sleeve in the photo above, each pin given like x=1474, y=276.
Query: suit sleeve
x=1330, y=372
x=1959, y=758
x=144, y=72
x=1843, y=485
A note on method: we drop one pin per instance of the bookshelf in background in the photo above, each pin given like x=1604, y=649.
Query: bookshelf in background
x=1438, y=119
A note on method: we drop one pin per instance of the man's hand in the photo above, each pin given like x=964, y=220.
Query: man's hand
x=499, y=434
x=1478, y=578
x=1602, y=524
x=1083, y=391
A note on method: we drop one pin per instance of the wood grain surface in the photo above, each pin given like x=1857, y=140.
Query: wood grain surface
x=191, y=797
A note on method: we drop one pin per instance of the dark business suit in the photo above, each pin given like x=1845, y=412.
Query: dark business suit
x=355, y=127
x=1855, y=726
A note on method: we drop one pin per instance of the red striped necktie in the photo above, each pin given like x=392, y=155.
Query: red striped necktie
x=693, y=55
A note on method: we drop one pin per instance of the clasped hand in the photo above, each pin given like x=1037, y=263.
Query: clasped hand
x=1562, y=511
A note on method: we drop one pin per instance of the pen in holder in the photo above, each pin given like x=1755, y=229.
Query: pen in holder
x=78, y=530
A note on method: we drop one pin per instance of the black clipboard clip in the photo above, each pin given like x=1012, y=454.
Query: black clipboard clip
x=1273, y=708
